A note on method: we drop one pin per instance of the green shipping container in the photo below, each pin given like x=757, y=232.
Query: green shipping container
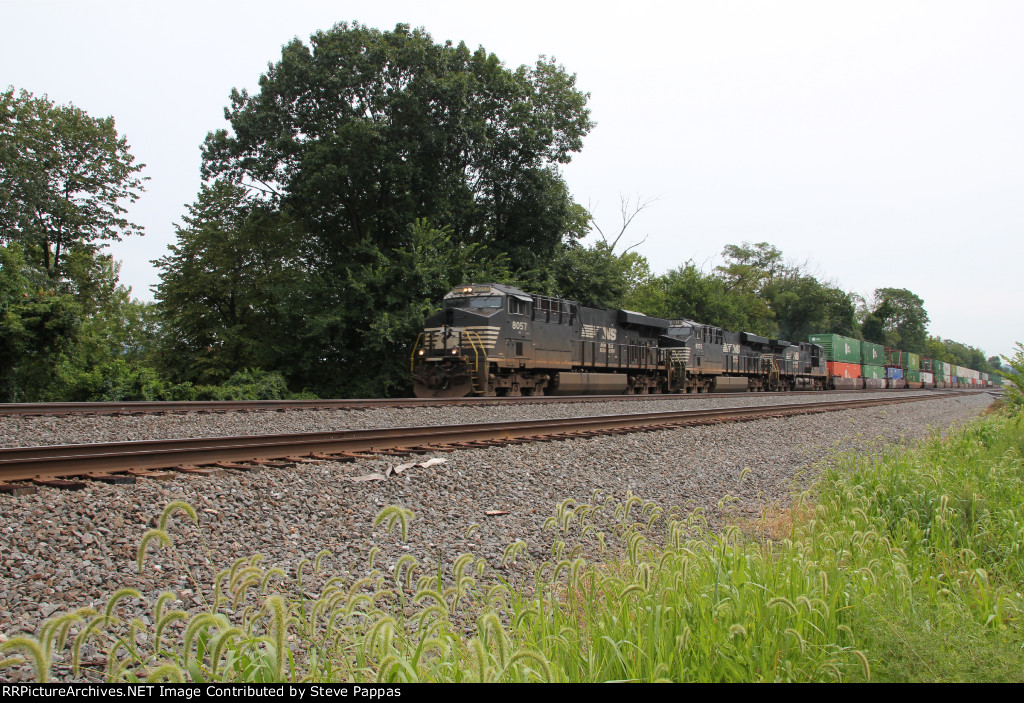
x=872, y=354
x=838, y=347
x=912, y=361
x=872, y=371
x=913, y=375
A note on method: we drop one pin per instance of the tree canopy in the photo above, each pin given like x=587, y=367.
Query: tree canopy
x=897, y=319
x=361, y=132
x=65, y=178
x=223, y=287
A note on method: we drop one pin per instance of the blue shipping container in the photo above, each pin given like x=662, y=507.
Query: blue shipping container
x=893, y=372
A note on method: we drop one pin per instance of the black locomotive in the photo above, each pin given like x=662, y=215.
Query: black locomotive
x=493, y=339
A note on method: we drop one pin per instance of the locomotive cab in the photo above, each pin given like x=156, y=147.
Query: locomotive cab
x=451, y=354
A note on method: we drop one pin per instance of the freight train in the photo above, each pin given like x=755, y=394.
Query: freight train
x=496, y=340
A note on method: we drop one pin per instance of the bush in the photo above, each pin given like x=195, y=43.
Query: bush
x=250, y=384
x=1015, y=389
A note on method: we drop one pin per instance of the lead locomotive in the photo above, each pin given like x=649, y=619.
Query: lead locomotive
x=493, y=339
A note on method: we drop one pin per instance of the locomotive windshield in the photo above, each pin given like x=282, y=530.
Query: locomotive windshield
x=475, y=301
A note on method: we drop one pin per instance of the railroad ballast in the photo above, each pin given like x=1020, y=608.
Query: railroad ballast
x=496, y=340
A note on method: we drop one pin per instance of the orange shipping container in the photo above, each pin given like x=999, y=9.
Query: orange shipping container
x=840, y=368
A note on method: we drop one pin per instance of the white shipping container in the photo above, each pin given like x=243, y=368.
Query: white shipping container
x=927, y=377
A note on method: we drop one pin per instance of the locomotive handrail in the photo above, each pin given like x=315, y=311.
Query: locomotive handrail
x=412, y=356
x=477, y=346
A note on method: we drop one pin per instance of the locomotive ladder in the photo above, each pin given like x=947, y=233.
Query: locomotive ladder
x=774, y=376
x=479, y=376
x=675, y=370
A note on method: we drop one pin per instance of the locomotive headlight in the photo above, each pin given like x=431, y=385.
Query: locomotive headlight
x=455, y=351
x=421, y=352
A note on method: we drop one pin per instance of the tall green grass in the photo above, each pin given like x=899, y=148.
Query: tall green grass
x=902, y=564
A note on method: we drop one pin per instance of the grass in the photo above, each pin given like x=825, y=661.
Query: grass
x=901, y=565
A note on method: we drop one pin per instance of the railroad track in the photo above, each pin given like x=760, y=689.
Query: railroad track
x=172, y=406
x=122, y=462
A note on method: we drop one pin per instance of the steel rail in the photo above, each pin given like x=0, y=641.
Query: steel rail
x=26, y=463
x=182, y=406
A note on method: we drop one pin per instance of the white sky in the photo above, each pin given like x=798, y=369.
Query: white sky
x=882, y=142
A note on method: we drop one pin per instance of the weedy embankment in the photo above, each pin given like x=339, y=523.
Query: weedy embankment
x=905, y=564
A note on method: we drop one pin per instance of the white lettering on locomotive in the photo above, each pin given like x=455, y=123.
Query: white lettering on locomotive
x=609, y=333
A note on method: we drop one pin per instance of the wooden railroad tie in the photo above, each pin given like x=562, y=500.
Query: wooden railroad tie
x=249, y=468
x=17, y=489
x=63, y=484
x=199, y=470
x=104, y=477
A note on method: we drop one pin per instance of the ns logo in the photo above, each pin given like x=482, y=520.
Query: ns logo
x=607, y=333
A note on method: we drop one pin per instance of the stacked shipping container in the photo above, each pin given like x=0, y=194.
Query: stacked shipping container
x=877, y=366
x=843, y=357
x=872, y=358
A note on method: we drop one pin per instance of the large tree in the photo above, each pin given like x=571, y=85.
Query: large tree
x=897, y=319
x=224, y=288
x=404, y=165
x=750, y=267
x=65, y=178
x=803, y=305
x=361, y=132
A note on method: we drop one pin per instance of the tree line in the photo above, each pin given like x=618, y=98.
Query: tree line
x=372, y=172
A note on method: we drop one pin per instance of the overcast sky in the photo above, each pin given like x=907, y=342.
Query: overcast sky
x=881, y=142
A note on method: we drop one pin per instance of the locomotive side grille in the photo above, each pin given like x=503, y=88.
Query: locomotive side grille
x=679, y=354
x=488, y=335
x=434, y=337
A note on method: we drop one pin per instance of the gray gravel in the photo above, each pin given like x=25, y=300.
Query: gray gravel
x=82, y=429
x=60, y=550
